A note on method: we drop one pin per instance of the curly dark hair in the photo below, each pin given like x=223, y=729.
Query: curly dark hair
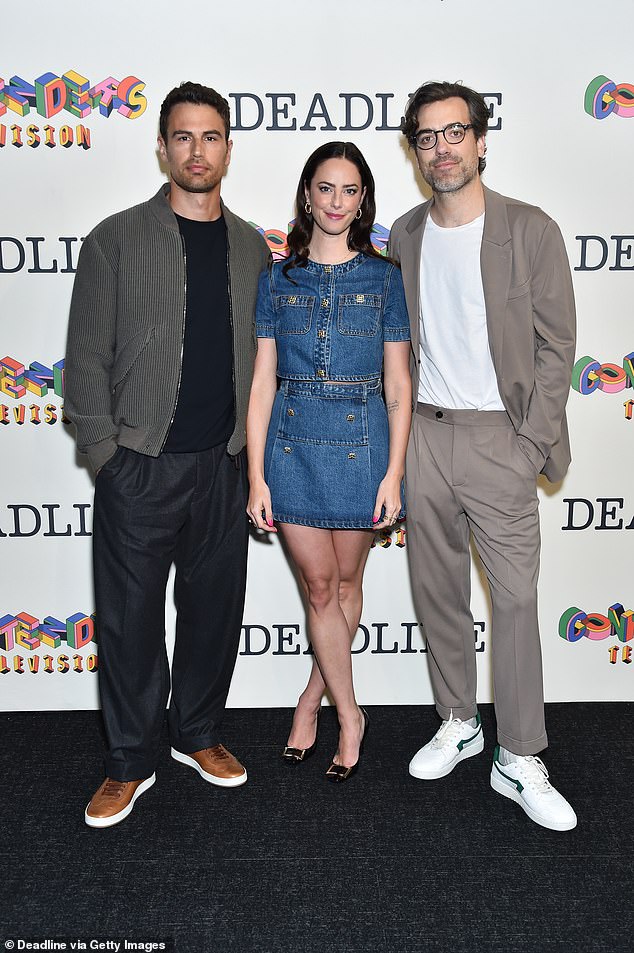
x=197, y=95
x=434, y=92
x=361, y=228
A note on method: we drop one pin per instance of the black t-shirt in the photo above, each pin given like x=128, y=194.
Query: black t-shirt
x=205, y=412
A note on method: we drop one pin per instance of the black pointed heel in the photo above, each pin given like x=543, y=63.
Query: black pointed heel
x=337, y=773
x=293, y=756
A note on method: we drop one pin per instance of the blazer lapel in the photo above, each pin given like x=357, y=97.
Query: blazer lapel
x=495, y=264
x=410, y=266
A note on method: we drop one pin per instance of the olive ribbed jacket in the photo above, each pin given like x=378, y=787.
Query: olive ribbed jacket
x=127, y=318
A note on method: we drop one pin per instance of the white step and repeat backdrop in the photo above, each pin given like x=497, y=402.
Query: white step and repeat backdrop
x=79, y=99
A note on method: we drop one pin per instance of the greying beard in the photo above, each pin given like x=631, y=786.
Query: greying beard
x=447, y=186
x=468, y=173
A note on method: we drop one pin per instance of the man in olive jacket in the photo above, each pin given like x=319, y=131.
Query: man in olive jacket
x=492, y=317
x=158, y=370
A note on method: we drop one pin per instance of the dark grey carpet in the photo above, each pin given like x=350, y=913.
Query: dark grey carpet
x=291, y=864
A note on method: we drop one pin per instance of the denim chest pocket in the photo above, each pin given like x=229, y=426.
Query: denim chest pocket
x=294, y=313
x=359, y=314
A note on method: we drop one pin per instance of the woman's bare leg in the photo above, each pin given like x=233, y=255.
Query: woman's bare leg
x=330, y=565
x=352, y=548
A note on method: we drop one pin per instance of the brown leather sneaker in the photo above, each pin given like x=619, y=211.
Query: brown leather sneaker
x=114, y=800
x=216, y=765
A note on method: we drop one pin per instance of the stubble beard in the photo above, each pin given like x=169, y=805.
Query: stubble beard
x=196, y=183
x=460, y=176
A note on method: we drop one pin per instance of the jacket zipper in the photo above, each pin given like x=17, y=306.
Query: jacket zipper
x=180, y=372
x=233, y=342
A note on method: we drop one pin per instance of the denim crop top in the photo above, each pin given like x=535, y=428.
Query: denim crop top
x=330, y=321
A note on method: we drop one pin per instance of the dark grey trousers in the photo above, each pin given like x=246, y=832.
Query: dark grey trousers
x=466, y=475
x=181, y=508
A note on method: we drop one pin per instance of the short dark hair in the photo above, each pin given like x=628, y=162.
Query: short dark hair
x=361, y=228
x=434, y=92
x=198, y=95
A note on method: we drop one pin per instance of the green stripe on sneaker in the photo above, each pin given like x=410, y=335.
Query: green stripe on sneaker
x=467, y=741
x=518, y=784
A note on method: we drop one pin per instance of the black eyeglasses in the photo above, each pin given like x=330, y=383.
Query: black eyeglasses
x=453, y=133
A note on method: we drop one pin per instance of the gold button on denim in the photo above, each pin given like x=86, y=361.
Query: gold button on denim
x=287, y=449
x=328, y=269
x=292, y=299
x=360, y=299
x=352, y=456
x=290, y=412
x=321, y=334
x=325, y=302
x=350, y=417
x=321, y=373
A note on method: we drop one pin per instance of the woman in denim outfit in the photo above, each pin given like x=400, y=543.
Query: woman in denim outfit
x=326, y=450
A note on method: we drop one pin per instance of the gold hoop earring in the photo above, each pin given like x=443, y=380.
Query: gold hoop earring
x=307, y=208
x=359, y=213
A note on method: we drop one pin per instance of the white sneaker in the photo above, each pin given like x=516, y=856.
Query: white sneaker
x=454, y=741
x=526, y=781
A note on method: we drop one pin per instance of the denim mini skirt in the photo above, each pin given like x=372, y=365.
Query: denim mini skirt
x=326, y=453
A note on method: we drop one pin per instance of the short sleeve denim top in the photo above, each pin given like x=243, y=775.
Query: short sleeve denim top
x=330, y=321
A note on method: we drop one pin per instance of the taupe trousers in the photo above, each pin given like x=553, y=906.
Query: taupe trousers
x=467, y=475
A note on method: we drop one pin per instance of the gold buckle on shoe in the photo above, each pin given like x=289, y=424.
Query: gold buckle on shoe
x=294, y=754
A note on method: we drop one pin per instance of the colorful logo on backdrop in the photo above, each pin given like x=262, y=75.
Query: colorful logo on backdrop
x=26, y=393
x=32, y=642
x=70, y=99
x=618, y=624
x=590, y=376
x=277, y=240
x=603, y=97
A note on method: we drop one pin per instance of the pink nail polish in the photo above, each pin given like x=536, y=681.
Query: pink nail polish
x=375, y=519
x=269, y=522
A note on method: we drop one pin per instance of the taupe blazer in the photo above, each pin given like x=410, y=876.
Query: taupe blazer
x=530, y=313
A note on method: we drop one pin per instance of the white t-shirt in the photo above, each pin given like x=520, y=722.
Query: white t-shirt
x=456, y=369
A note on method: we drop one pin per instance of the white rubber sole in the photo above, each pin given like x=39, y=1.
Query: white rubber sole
x=506, y=789
x=476, y=747
x=211, y=778
x=121, y=816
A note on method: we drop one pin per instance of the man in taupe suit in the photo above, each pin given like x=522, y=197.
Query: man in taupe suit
x=492, y=318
